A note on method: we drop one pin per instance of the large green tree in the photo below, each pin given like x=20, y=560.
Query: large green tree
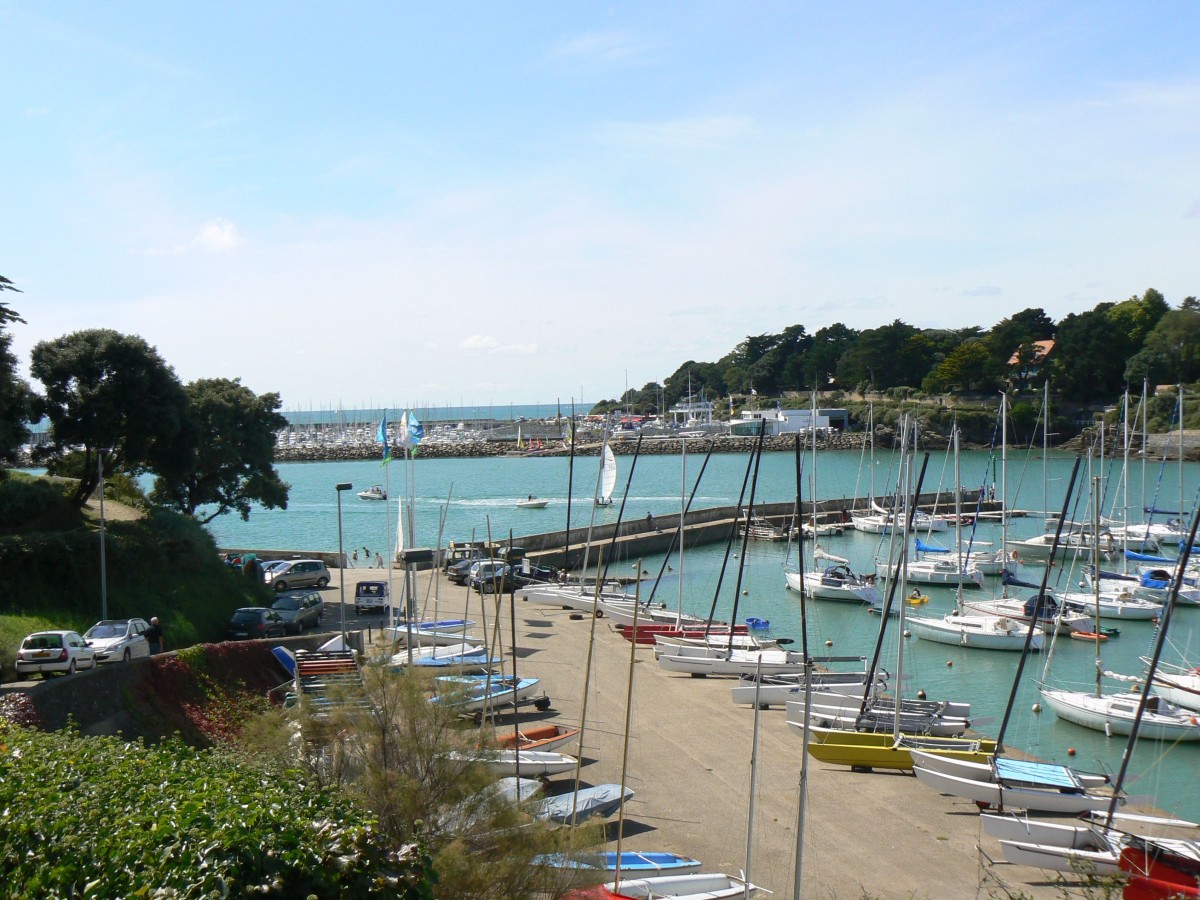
x=110, y=393
x=882, y=358
x=231, y=435
x=1025, y=327
x=15, y=397
x=1092, y=349
x=1171, y=352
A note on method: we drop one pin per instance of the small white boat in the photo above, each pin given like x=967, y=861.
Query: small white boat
x=1114, y=714
x=1122, y=605
x=374, y=492
x=532, y=502
x=778, y=690
x=530, y=763
x=982, y=632
x=1177, y=684
x=697, y=886
x=575, y=807
x=1071, y=799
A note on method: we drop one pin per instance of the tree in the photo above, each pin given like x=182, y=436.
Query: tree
x=112, y=393
x=966, y=368
x=16, y=400
x=1171, y=352
x=230, y=466
x=821, y=360
x=1025, y=327
x=881, y=357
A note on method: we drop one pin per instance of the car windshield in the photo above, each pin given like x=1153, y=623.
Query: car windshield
x=246, y=615
x=286, y=603
x=103, y=630
x=43, y=642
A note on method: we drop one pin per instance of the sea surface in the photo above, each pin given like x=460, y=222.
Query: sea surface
x=474, y=499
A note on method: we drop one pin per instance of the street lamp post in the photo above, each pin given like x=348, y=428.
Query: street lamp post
x=103, y=572
x=344, y=486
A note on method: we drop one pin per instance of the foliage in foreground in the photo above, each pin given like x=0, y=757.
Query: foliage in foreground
x=410, y=763
x=102, y=817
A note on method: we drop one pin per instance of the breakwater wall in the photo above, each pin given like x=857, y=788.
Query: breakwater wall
x=658, y=446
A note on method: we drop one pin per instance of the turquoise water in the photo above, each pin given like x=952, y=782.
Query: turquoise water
x=472, y=495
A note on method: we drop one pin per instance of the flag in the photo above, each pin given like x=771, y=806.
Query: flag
x=382, y=437
x=411, y=431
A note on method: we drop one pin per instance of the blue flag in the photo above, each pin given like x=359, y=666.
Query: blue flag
x=382, y=437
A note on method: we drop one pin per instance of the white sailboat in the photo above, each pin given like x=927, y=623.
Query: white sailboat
x=608, y=476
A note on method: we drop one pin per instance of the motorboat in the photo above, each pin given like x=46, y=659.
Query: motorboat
x=374, y=492
x=532, y=502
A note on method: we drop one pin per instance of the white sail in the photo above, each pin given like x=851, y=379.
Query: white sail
x=608, y=476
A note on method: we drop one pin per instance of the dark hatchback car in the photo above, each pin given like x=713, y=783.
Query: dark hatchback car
x=255, y=622
x=299, y=610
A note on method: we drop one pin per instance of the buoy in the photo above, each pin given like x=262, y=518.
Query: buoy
x=949, y=663
x=1037, y=707
x=1070, y=751
x=745, y=592
x=907, y=633
x=829, y=643
x=920, y=695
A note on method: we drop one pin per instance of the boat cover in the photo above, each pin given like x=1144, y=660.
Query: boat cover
x=923, y=547
x=1036, y=774
x=1145, y=557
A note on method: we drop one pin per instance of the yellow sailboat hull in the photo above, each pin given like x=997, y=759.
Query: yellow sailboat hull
x=868, y=750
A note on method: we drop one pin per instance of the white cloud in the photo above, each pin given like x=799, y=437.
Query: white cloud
x=604, y=46
x=217, y=236
x=479, y=342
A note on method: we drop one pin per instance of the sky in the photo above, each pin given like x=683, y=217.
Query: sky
x=401, y=204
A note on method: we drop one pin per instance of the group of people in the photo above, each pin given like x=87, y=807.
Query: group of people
x=367, y=558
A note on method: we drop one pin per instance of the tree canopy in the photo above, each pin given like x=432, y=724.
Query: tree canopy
x=110, y=393
x=16, y=400
x=230, y=433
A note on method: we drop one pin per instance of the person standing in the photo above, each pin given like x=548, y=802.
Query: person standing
x=379, y=560
x=154, y=636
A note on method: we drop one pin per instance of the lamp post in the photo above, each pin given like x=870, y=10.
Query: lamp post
x=344, y=486
x=103, y=572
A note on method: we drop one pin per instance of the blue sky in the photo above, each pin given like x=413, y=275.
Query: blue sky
x=398, y=203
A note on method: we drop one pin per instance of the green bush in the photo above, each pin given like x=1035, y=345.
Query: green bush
x=28, y=505
x=103, y=817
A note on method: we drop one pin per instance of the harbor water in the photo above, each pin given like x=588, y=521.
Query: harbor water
x=475, y=499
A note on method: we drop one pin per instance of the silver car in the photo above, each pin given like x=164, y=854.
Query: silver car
x=298, y=573
x=118, y=640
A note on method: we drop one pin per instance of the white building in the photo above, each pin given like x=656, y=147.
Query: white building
x=787, y=421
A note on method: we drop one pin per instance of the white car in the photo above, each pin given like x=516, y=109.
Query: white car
x=54, y=651
x=118, y=640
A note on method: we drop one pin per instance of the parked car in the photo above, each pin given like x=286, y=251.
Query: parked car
x=371, y=596
x=118, y=640
x=460, y=572
x=296, y=573
x=54, y=651
x=255, y=622
x=299, y=609
x=490, y=575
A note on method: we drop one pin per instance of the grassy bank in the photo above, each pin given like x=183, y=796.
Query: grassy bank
x=157, y=564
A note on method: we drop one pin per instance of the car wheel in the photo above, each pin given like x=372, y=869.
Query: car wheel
x=125, y=657
x=71, y=667
x=322, y=582
x=280, y=586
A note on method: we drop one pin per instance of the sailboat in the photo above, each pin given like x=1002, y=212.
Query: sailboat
x=1114, y=713
x=608, y=475
x=835, y=580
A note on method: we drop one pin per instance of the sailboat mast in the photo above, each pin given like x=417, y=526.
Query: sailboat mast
x=753, y=777
x=679, y=530
x=628, y=717
x=1096, y=573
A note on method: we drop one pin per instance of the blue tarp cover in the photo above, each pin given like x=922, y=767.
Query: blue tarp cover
x=1036, y=773
x=929, y=548
x=1145, y=557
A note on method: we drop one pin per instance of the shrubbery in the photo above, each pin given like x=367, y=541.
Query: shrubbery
x=103, y=817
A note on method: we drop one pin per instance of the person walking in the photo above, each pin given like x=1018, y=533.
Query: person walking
x=354, y=558
x=379, y=560
x=154, y=636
